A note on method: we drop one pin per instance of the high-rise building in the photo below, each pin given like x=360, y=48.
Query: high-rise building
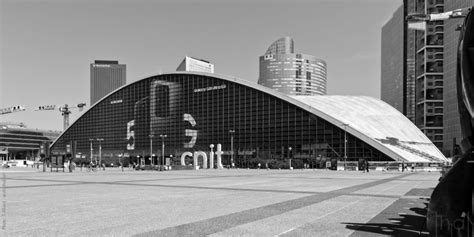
x=395, y=89
x=106, y=76
x=292, y=73
x=392, y=61
x=452, y=128
x=429, y=73
x=418, y=95
x=191, y=64
x=410, y=89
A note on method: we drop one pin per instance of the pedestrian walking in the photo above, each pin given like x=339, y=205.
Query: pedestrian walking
x=367, y=166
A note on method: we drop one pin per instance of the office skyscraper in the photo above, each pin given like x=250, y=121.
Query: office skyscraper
x=422, y=98
x=291, y=73
x=395, y=89
x=392, y=61
x=429, y=73
x=106, y=76
x=191, y=64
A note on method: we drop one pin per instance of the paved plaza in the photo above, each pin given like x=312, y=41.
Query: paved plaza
x=236, y=202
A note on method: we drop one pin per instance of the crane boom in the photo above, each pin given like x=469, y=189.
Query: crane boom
x=458, y=13
x=64, y=109
x=46, y=107
x=12, y=109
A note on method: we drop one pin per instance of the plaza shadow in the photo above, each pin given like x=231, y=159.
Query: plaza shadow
x=393, y=221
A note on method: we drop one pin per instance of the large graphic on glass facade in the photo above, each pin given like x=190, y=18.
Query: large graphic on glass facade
x=171, y=108
x=164, y=98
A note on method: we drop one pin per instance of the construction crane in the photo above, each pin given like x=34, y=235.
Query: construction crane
x=12, y=109
x=65, y=111
x=458, y=13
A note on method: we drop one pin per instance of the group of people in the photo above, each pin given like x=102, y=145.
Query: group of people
x=365, y=167
x=405, y=167
x=94, y=165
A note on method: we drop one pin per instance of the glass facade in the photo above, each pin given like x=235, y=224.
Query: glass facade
x=452, y=128
x=106, y=76
x=194, y=111
x=392, y=61
x=293, y=74
x=23, y=143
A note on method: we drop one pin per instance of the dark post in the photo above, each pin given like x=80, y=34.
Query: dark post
x=43, y=155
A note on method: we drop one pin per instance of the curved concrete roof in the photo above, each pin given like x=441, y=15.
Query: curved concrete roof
x=376, y=123
x=371, y=120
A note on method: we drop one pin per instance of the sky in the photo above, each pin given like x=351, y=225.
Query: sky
x=47, y=45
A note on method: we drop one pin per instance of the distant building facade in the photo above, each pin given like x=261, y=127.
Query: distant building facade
x=292, y=73
x=190, y=64
x=106, y=76
x=429, y=73
x=392, y=61
x=22, y=143
x=419, y=96
x=397, y=91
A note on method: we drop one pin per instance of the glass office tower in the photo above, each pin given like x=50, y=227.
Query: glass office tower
x=293, y=74
x=106, y=76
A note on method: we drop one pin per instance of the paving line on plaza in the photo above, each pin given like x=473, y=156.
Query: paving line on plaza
x=193, y=177
x=321, y=217
x=207, y=188
x=286, y=231
x=57, y=183
x=220, y=223
x=72, y=183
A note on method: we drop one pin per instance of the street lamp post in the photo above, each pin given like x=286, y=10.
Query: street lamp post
x=290, y=155
x=100, y=151
x=232, y=131
x=163, y=136
x=345, y=144
x=8, y=152
x=151, y=149
x=91, y=148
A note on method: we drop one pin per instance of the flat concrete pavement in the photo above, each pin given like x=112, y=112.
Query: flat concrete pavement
x=236, y=202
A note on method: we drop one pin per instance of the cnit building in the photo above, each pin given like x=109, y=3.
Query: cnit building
x=196, y=109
